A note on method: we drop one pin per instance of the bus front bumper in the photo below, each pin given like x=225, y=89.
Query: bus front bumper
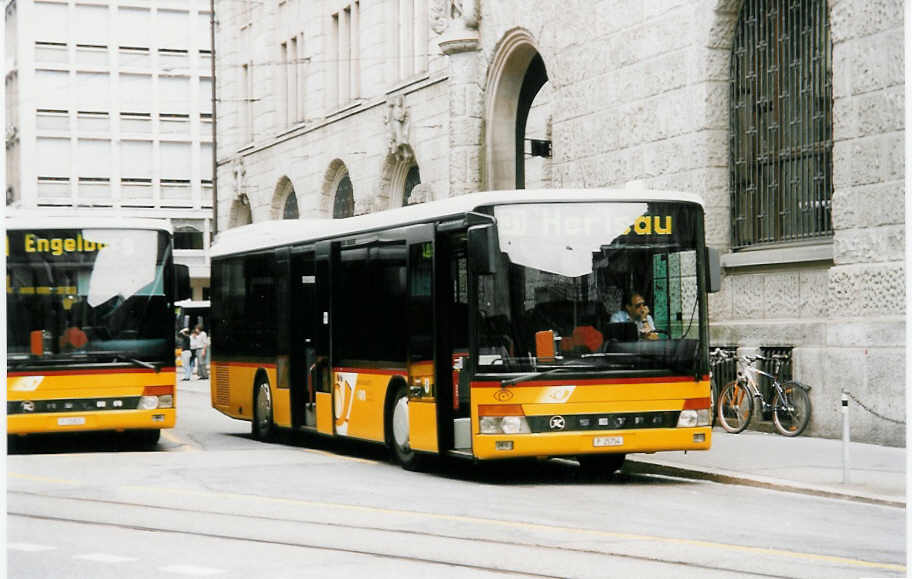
x=90, y=421
x=553, y=444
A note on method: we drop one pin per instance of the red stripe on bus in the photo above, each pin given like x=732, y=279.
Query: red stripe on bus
x=380, y=371
x=96, y=371
x=589, y=381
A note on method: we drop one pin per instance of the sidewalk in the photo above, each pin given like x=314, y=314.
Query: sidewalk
x=808, y=465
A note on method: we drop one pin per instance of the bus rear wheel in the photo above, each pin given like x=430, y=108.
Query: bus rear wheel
x=397, y=431
x=262, y=428
x=600, y=465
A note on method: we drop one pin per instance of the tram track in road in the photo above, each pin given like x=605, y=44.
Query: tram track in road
x=397, y=536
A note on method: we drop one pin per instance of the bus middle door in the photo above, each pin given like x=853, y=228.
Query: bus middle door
x=422, y=339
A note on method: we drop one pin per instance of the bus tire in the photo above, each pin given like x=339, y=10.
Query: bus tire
x=601, y=465
x=397, y=430
x=262, y=428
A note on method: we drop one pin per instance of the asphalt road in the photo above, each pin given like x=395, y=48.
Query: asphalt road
x=209, y=501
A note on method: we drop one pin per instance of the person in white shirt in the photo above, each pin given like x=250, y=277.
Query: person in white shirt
x=202, y=353
x=635, y=310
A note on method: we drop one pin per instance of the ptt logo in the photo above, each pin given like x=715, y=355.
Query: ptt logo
x=557, y=423
x=503, y=395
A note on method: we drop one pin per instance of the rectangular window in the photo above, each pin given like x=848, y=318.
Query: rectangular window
x=284, y=91
x=134, y=57
x=174, y=93
x=92, y=56
x=93, y=122
x=137, y=123
x=91, y=24
x=52, y=120
x=136, y=92
x=133, y=26
x=292, y=68
x=174, y=124
x=93, y=90
x=380, y=265
x=51, y=53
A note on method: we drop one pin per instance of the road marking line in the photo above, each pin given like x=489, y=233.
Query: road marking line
x=30, y=547
x=104, y=558
x=61, y=481
x=191, y=570
x=541, y=527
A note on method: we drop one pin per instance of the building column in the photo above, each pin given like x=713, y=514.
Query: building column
x=461, y=44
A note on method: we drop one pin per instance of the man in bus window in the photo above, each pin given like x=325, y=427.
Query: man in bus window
x=635, y=310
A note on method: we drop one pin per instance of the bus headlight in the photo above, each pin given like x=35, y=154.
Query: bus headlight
x=504, y=425
x=514, y=425
x=166, y=401
x=692, y=418
x=148, y=403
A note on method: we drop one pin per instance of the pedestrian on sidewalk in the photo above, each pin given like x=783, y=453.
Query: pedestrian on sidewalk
x=202, y=360
x=183, y=340
x=195, y=347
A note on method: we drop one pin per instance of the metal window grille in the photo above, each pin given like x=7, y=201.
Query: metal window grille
x=781, y=143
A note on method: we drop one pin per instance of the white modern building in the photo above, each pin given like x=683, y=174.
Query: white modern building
x=109, y=109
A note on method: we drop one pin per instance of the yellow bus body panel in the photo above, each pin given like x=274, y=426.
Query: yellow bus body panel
x=85, y=384
x=423, y=425
x=358, y=400
x=231, y=390
x=591, y=398
x=324, y=413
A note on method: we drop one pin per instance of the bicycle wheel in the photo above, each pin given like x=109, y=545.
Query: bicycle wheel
x=791, y=409
x=735, y=407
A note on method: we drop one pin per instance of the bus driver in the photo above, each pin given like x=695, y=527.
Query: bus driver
x=635, y=310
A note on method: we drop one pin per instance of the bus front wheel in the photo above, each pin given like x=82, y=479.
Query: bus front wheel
x=262, y=427
x=397, y=432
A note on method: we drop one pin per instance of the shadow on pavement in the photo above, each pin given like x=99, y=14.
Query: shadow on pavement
x=78, y=442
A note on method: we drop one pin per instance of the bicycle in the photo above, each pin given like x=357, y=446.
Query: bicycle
x=791, y=405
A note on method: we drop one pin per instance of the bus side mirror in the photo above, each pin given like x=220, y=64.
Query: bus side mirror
x=713, y=270
x=181, y=282
x=483, y=248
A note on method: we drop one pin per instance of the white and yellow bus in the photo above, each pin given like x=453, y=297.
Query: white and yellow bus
x=479, y=326
x=90, y=325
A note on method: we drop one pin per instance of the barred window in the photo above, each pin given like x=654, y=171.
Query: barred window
x=781, y=137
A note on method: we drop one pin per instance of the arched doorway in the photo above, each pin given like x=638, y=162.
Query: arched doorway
x=516, y=76
x=284, y=200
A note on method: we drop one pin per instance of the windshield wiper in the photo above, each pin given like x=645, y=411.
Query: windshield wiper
x=532, y=376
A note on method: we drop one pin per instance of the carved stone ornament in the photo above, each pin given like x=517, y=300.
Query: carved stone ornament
x=454, y=14
x=239, y=171
x=397, y=123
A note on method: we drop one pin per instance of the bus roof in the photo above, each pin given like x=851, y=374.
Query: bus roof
x=269, y=234
x=36, y=220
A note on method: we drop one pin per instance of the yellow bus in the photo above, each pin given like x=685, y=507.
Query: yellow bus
x=485, y=326
x=90, y=325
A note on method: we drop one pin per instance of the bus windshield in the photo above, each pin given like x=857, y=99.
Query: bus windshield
x=88, y=295
x=592, y=287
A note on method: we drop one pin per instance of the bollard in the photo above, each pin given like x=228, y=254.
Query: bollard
x=845, y=438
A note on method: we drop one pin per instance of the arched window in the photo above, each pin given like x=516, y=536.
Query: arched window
x=291, y=207
x=780, y=132
x=412, y=178
x=344, y=204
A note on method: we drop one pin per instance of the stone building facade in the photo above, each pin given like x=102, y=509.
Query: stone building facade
x=337, y=107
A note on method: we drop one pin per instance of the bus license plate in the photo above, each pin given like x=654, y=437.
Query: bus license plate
x=71, y=421
x=608, y=441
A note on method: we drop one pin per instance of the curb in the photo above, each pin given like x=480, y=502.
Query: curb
x=633, y=466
